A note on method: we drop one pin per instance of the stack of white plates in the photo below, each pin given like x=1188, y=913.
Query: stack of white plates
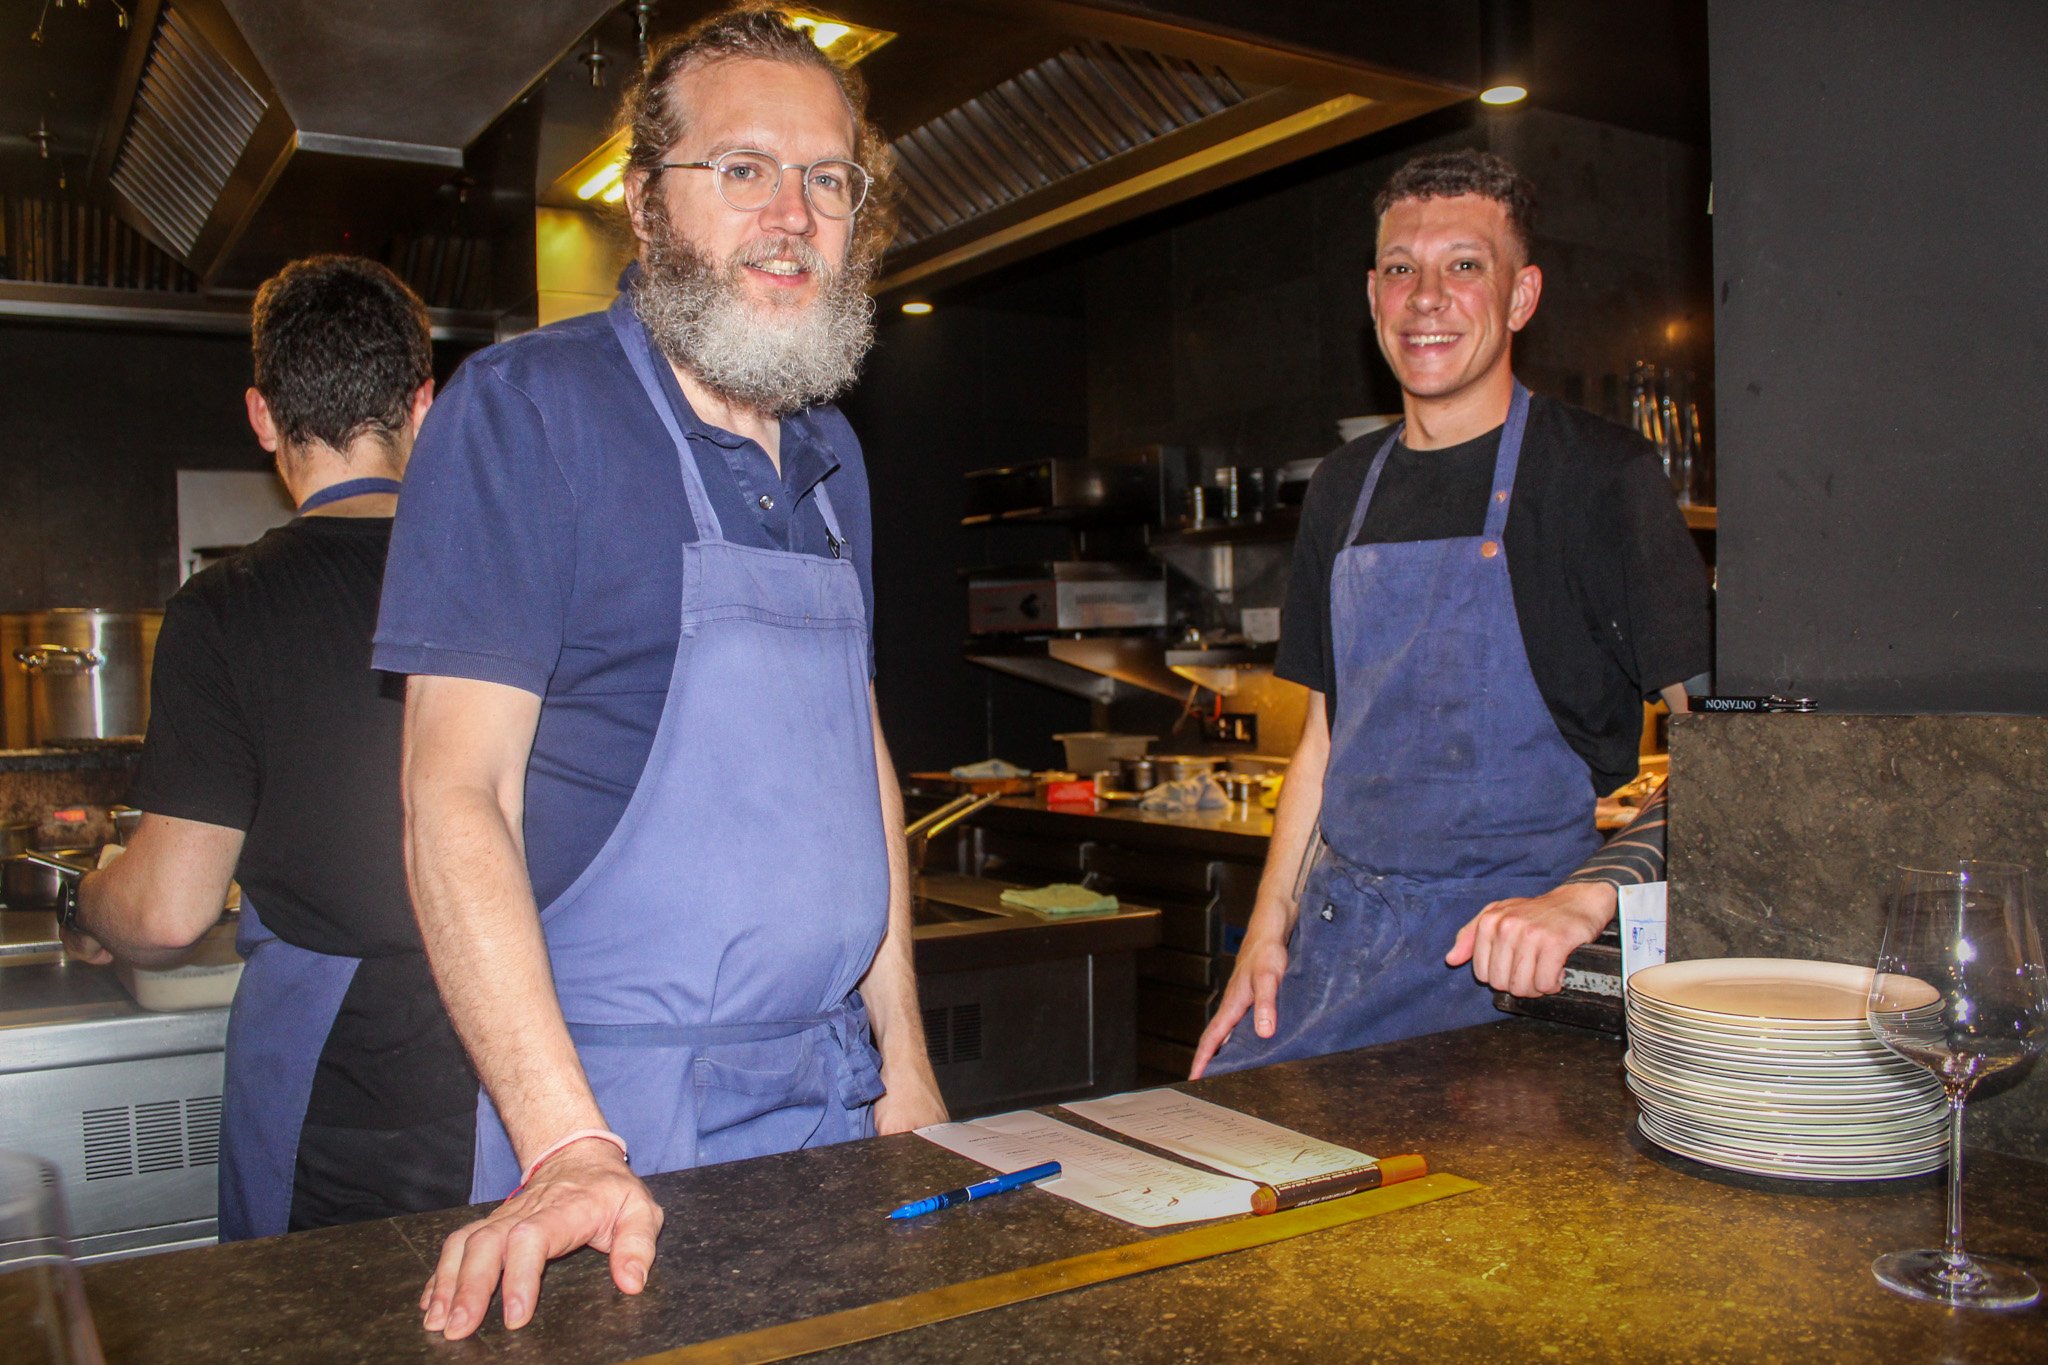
x=1769, y=1066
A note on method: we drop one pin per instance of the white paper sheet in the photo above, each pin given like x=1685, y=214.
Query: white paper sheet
x=1642, y=911
x=1095, y=1173
x=1218, y=1137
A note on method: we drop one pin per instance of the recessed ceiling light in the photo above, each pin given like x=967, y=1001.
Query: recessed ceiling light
x=917, y=310
x=1503, y=94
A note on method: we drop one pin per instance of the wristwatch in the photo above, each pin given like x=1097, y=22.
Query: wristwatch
x=67, y=906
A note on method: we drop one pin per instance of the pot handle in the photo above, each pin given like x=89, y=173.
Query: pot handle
x=41, y=657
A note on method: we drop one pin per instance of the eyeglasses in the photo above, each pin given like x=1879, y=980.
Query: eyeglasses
x=750, y=180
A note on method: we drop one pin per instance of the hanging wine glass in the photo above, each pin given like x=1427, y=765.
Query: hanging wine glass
x=1960, y=989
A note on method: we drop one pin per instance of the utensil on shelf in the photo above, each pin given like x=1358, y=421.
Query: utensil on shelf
x=1960, y=989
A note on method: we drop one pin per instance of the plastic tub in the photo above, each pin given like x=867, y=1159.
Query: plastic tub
x=205, y=980
x=1093, y=750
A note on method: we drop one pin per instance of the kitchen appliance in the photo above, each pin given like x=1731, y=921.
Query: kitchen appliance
x=74, y=673
x=123, y=1101
x=1064, y=596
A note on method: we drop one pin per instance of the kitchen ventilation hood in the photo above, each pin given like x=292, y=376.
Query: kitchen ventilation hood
x=263, y=120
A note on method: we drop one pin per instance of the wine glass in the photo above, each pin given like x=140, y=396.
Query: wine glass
x=1961, y=990
x=42, y=1296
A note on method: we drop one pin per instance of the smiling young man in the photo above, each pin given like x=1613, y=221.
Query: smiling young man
x=1480, y=601
x=654, y=837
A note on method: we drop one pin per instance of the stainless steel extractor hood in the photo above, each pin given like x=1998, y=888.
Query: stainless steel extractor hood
x=255, y=119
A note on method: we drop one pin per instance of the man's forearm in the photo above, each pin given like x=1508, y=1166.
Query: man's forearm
x=1635, y=854
x=150, y=905
x=483, y=936
x=890, y=985
x=1294, y=828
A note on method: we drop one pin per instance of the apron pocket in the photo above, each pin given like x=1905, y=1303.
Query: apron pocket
x=754, y=1098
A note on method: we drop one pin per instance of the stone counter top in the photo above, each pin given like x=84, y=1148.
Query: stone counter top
x=1584, y=1245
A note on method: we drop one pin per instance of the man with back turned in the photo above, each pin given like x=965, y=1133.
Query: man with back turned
x=272, y=757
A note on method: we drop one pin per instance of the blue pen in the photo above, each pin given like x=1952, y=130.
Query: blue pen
x=980, y=1190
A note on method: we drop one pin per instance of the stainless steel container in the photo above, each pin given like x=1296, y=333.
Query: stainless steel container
x=74, y=673
x=1177, y=767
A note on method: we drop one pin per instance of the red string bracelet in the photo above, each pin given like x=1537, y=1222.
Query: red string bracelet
x=566, y=1140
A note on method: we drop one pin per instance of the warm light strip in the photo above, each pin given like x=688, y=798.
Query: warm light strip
x=603, y=170
x=607, y=178
x=847, y=43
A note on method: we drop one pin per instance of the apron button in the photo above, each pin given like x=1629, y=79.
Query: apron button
x=1329, y=911
x=767, y=503
x=1489, y=550
x=1501, y=496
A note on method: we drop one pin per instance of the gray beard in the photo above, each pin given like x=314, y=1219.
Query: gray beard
x=774, y=359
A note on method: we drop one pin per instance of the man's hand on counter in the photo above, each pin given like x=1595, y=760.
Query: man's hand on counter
x=909, y=1103
x=1519, y=946
x=1253, y=986
x=584, y=1195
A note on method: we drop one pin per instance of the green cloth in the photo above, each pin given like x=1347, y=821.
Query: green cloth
x=1061, y=899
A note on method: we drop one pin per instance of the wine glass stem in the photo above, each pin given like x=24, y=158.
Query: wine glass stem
x=1953, y=1251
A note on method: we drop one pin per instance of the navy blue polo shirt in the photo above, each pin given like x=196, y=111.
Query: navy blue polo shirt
x=537, y=545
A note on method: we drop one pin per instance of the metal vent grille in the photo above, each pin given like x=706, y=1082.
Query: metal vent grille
x=192, y=119
x=952, y=1033
x=147, y=1139
x=1072, y=111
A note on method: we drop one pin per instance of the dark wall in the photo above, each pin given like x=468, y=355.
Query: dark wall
x=98, y=423
x=992, y=377
x=1239, y=327
x=1882, y=348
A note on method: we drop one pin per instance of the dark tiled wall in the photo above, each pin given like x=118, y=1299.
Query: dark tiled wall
x=990, y=379
x=1882, y=399
x=1239, y=326
x=1785, y=831
x=98, y=423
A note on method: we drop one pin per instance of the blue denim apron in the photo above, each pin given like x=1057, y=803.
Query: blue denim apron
x=1448, y=787
x=706, y=959
x=284, y=1008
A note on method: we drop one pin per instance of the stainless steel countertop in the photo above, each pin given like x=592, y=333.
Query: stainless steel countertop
x=55, y=1012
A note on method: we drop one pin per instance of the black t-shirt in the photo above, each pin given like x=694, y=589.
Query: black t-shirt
x=1608, y=585
x=265, y=716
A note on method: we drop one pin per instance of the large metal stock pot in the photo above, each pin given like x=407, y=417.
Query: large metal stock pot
x=74, y=673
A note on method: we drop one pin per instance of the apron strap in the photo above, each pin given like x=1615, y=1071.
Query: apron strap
x=639, y=349
x=348, y=488
x=710, y=1035
x=1505, y=463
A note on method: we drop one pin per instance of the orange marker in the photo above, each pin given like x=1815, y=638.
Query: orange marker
x=1292, y=1194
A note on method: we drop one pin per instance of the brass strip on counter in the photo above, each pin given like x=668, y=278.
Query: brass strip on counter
x=853, y=1325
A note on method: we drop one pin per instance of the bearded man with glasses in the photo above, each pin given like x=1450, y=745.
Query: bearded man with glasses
x=654, y=836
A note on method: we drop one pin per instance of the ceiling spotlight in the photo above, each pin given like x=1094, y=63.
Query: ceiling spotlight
x=918, y=309
x=1505, y=45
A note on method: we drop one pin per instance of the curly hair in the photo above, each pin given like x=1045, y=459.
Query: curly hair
x=654, y=113
x=1443, y=175
x=340, y=345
